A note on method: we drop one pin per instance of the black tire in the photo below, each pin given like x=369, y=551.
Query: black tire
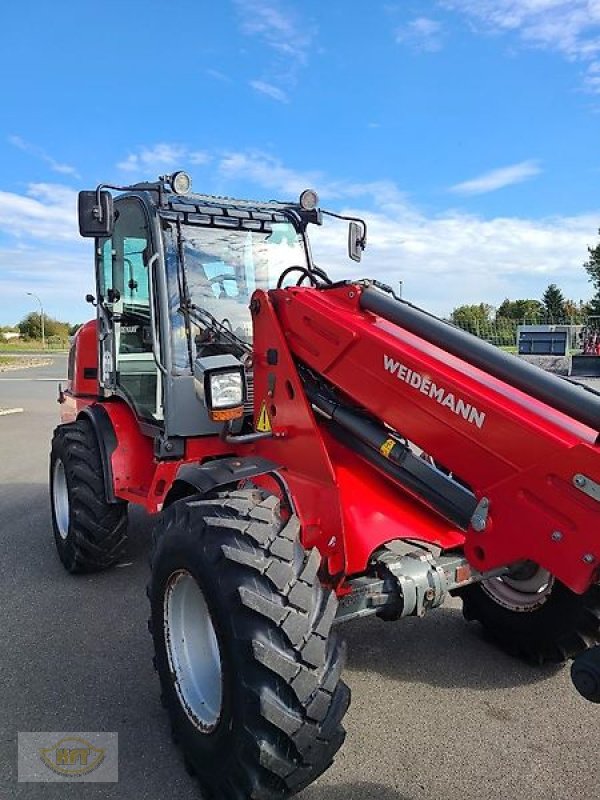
x=585, y=674
x=558, y=629
x=282, y=697
x=94, y=536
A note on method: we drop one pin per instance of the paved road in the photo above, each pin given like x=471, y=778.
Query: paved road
x=437, y=713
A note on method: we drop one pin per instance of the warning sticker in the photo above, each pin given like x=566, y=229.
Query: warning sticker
x=264, y=422
x=386, y=447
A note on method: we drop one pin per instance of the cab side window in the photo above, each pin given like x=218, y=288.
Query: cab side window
x=130, y=279
x=123, y=278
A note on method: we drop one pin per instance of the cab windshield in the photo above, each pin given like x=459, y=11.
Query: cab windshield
x=222, y=268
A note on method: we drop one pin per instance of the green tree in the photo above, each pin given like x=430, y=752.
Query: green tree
x=476, y=319
x=469, y=315
x=521, y=310
x=554, y=303
x=31, y=328
x=592, y=267
x=577, y=312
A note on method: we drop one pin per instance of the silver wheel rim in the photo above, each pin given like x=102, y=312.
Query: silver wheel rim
x=60, y=499
x=526, y=589
x=193, y=651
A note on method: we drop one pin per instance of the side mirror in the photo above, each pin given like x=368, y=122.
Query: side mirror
x=96, y=215
x=357, y=240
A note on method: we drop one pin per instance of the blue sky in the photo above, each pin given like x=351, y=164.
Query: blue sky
x=466, y=131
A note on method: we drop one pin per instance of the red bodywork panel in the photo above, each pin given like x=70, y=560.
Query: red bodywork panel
x=517, y=452
x=138, y=476
x=83, y=361
x=82, y=384
x=522, y=458
x=347, y=508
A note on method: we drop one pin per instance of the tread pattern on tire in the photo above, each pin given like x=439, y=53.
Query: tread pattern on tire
x=290, y=661
x=97, y=529
x=564, y=626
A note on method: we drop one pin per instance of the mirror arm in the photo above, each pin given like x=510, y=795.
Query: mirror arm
x=97, y=212
x=360, y=221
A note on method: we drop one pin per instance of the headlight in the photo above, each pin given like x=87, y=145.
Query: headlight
x=221, y=386
x=226, y=389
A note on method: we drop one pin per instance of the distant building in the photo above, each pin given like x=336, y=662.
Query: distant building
x=8, y=335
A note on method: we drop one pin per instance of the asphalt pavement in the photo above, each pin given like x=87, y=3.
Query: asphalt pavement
x=437, y=712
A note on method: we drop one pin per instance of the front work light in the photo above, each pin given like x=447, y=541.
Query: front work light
x=220, y=384
x=181, y=183
x=226, y=389
x=309, y=200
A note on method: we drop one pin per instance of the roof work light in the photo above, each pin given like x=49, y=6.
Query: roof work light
x=181, y=183
x=309, y=200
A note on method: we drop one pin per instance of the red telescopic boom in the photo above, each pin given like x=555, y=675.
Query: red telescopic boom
x=522, y=441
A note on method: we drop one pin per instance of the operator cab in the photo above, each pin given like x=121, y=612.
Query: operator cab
x=175, y=274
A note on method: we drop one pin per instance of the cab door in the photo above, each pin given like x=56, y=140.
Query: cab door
x=127, y=362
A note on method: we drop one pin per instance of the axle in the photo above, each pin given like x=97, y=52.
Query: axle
x=407, y=580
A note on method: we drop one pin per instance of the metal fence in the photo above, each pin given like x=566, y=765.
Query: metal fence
x=503, y=332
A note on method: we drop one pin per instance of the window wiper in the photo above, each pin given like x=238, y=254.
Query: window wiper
x=204, y=319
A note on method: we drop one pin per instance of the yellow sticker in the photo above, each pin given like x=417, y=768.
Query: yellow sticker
x=386, y=447
x=264, y=423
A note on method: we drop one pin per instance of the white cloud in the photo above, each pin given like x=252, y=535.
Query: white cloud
x=197, y=157
x=281, y=29
x=498, y=178
x=569, y=27
x=218, y=75
x=60, y=276
x=41, y=251
x=39, y=153
x=153, y=159
x=270, y=173
x=148, y=162
x=592, y=77
x=270, y=91
x=449, y=259
x=443, y=259
x=421, y=33
x=287, y=34
x=267, y=172
x=47, y=211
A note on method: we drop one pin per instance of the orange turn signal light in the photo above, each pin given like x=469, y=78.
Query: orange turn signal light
x=226, y=414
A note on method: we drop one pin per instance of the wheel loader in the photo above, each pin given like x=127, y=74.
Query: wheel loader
x=313, y=451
